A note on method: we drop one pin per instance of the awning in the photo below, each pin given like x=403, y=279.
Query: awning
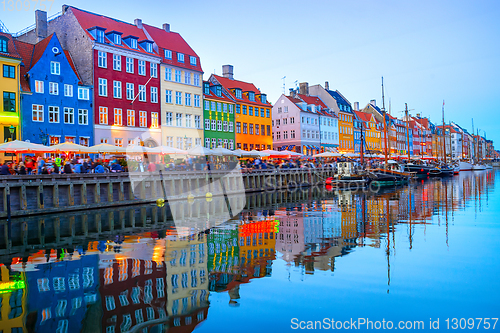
x=9, y=120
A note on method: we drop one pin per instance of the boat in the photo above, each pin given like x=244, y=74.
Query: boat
x=420, y=170
x=495, y=164
x=488, y=167
x=465, y=166
x=456, y=170
x=442, y=171
x=478, y=167
x=347, y=176
x=390, y=174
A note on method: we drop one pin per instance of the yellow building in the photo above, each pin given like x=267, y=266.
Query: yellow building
x=346, y=138
x=252, y=111
x=13, y=308
x=181, y=89
x=9, y=85
x=371, y=131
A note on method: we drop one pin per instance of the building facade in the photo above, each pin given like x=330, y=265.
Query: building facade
x=252, y=111
x=218, y=117
x=56, y=107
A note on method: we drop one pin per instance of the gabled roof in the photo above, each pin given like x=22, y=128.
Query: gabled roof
x=312, y=100
x=211, y=95
x=10, y=47
x=364, y=116
x=174, y=42
x=89, y=20
x=40, y=49
x=229, y=84
x=338, y=97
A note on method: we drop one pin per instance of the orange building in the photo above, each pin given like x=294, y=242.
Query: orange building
x=252, y=111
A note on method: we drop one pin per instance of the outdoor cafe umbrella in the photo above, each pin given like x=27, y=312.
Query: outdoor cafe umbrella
x=105, y=148
x=327, y=154
x=18, y=146
x=226, y=152
x=165, y=150
x=259, y=153
x=245, y=153
x=69, y=147
x=202, y=151
x=133, y=149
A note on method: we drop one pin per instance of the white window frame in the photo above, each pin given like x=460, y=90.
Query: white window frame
x=53, y=88
x=180, y=57
x=154, y=120
x=154, y=70
x=83, y=113
x=83, y=93
x=70, y=112
x=68, y=90
x=102, y=59
x=168, y=96
x=39, y=86
x=117, y=62
x=192, y=60
x=142, y=93
x=55, y=68
x=196, y=101
x=117, y=117
x=103, y=87
x=154, y=94
x=130, y=91
x=37, y=109
x=143, y=122
x=55, y=112
x=168, y=54
x=103, y=113
x=117, y=89
x=141, y=67
x=130, y=117
x=129, y=64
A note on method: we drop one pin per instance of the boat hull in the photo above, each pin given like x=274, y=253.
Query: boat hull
x=419, y=170
x=465, y=166
x=477, y=167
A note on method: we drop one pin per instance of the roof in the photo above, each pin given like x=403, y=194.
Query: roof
x=364, y=116
x=339, y=97
x=312, y=100
x=10, y=47
x=229, y=84
x=174, y=42
x=89, y=20
x=211, y=95
x=40, y=49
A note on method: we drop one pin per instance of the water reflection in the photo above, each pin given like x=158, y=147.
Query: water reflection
x=130, y=270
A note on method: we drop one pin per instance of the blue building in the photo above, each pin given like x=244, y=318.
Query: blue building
x=55, y=106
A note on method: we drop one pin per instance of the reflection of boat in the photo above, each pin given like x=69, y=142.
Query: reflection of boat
x=441, y=171
x=465, y=166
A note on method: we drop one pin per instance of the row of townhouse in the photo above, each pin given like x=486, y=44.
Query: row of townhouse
x=90, y=79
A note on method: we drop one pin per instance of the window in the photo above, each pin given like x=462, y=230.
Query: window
x=3, y=45
x=219, y=125
x=244, y=109
x=39, y=86
x=177, y=76
x=178, y=119
x=129, y=64
x=214, y=125
x=292, y=134
x=178, y=98
x=238, y=127
x=142, y=93
x=68, y=90
x=196, y=80
x=9, y=71
x=278, y=135
x=133, y=43
x=154, y=70
x=104, y=140
x=100, y=35
x=83, y=93
x=207, y=105
x=37, y=113
x=118, y=120
x=169, y=141
x=54, y=140
x=142, y=119
x=103, y=115
x=53, y=88
x=245, y=131
x=142, y=67
x=197, y=101
x=55, y=68
x=169, y=119
x=192, y=60
x=103, y=87
x=231, y=127
x=168, y=54
x=83, y=116
x=207, y=124
x=154, y=95
x=130, y=118
x=69, y=115
x=168, y=74
x=117, y=62
x=257, y=129
x=238, y=108
x=130, y=91
x=154, y=119
x=188, y=121
x=188, y=99
x=168, y=96
x=250, y=110
x=180, y=57
x=117, y=89
x=197, y=122
x=207, y=142
x=179, y=142
x=187, y=78
x=268, y=130
x=212, y=106
x=118, y=143
x=53, y=114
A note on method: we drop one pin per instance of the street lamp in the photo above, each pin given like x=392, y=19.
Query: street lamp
x=11, y=130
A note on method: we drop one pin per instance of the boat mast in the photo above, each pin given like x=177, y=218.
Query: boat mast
x=385, y=122
x=474, y=138
x=407, y=132
x=444, y=138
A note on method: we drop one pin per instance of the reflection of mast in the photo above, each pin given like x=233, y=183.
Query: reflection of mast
x=388, y=250
x=446, y=210
x=409, y=211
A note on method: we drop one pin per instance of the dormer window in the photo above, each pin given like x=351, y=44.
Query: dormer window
x=218, y=91
x=237, y=93
x=118, y=39
x=180, y=57
x=100, y=35
x=147, y=45
x=168, y=54
x=192, y=60
x=206, y=88
x=251, y=96
x=133, y=43
x=4, y=45
x=263, y=98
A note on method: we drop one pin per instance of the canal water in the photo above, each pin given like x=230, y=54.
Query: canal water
x=420, y=255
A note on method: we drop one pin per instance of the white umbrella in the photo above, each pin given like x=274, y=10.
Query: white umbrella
x=133, y=149
x=70, y=147
x=259, y=153
x=245, y=153
x=202, y=151
x=18, y=146
x=226, y=152
x=105, y=148
x=171, y=150
x=327, y=154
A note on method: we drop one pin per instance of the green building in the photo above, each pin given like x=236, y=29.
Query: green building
x=218, y=115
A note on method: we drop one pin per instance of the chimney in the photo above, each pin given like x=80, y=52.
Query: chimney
x=327, y=86
x=373, y=102
x=291, y=92
x=356, y=106
x=64, y=8
x=166, y=27
x=40, y=25
x=304, y=88
x=418, y=115
x=138, y=23
x=227, y=71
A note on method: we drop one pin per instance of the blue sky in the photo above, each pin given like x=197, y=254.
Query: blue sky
x=427, y=51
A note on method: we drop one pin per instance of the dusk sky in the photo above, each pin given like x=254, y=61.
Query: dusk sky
x=427, y=51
